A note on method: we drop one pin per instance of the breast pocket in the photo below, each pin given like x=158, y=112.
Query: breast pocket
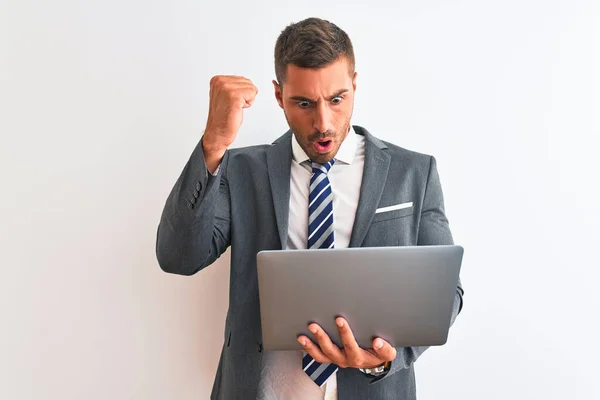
x=392, y=212
x=392, y=226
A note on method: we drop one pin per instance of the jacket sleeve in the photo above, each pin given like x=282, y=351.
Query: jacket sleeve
x=194, y=228
x=433, y=230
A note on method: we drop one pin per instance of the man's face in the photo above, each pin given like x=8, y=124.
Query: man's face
x=318, y=105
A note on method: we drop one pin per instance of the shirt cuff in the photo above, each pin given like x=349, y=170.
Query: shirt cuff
x=216, y=170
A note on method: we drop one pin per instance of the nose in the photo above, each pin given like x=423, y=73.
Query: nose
x=322, y=118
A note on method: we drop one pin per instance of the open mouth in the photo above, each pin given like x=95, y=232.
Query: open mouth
x=323, y=146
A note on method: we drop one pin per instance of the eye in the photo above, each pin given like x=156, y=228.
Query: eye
x=304, y=104
x=337, y=100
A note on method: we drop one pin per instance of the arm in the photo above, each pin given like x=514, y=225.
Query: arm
x=433, y=230
x=194, y=229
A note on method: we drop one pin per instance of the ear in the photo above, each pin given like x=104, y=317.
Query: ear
x=354, y=80
x=278, y=93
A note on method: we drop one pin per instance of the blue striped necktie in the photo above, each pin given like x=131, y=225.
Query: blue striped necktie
x=320, y=236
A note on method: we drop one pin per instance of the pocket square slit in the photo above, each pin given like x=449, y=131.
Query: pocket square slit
x=394, y=208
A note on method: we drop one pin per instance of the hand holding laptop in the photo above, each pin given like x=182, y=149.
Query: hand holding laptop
x=351, y=354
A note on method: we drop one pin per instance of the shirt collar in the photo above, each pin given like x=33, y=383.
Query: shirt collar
x=345, y=153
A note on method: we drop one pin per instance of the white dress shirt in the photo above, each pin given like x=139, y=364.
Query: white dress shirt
x=282, y=376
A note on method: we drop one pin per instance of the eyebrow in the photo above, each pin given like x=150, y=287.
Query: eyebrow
x=302, y=98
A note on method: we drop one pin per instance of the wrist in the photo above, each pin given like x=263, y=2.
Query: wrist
x=213, y=154
x=377, y=370
x=211, y=147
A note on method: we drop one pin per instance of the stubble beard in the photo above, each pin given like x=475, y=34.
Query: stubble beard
x=316, y=157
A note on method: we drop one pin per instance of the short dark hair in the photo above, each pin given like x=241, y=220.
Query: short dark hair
x=311, y=43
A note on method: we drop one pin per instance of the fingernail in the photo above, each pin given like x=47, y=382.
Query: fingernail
x=302, y=341
x=312, y=328
x=378, y=344
x=340, y=322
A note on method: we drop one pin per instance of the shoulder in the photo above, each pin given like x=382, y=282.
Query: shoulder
x=404, y=161
x=255, y=151
x=258, y=152
x=403, y=153
x=255, y=157
x=399, y=156
x=246, y=159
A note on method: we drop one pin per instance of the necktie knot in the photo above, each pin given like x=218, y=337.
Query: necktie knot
x=322, y=168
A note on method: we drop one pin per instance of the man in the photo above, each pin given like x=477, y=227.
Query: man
x=317, y=186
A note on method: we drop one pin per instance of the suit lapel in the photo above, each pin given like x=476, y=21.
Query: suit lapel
x=279, y=161
x=377, y=164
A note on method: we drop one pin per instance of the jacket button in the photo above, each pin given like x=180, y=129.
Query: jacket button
x=190, y=206
x=198, y=186
x=196, y=194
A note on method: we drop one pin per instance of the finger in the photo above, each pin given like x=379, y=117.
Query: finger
x=233, y=88
x=313, y=350
x=348, y=340
x=245, y=94
x=238, y=86
x=384, y=350
x=242, y=98
x=221, y=79
x=250, y=101
x=238, y=89
x=328, y=348
x=355, y=355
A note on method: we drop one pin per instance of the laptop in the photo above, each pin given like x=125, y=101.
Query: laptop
x=402, y=294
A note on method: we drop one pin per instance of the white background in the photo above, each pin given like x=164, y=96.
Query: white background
x=101, y=103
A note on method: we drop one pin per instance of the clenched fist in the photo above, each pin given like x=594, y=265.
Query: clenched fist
x=229, y=95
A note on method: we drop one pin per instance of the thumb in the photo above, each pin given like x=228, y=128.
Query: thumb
x=248, y=103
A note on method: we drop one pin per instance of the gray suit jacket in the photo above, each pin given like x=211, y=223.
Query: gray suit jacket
x=246, y=207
